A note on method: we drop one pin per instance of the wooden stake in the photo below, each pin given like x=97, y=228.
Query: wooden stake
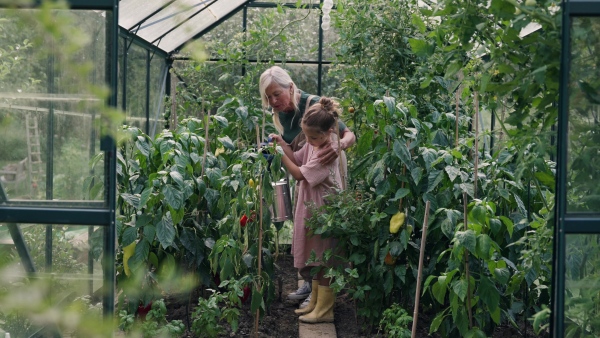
x=456, y=122
x=467, y=274
x=260, y=235
x=420, y=271
x=475, y=179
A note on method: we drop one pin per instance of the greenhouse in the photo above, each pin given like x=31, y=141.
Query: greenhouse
x=152, y=184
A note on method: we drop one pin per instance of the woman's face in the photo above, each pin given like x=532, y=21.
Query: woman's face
x=279, y=97
x=315, y=137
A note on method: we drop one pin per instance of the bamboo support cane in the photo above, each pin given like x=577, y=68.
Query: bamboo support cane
x=260, y=233
x=467, y=272
x=456, y=122
x=420, y=271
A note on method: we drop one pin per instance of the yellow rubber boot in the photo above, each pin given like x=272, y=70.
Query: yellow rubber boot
x=313, y=299
x=323, y=312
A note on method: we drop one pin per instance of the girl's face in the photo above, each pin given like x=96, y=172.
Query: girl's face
x=315, y=137
x=279, y=97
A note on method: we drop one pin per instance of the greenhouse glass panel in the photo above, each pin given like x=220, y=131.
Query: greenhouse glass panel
x=199, y=20
x=134, y=12
x=583, y=162
x=136, y=86
x=299, y=37
x=158, y=77
x=305, y=76
x=582, y=286
x=72, y=283
x=222, y=34
x=49, y=107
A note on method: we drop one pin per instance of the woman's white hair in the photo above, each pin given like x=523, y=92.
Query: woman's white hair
x=281, y=77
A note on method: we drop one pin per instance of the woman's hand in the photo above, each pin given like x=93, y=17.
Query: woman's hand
x=327, y=154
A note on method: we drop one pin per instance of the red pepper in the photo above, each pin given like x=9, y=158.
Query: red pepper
x=247, y=293
x=243, y=220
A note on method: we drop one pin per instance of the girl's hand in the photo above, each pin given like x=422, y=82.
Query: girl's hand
x=276, y=138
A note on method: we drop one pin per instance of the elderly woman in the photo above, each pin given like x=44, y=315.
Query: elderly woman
x=288, y=103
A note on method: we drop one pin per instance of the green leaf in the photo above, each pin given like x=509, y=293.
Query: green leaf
x=149, y=233
x=257, y=301
x=221, y=120
x=142, y=146
x=418, y=22
x=357, y=258
x=420, y=48
x=439, y=291
x=416, y=173
x=502, y=275
x=452, y=69
x=400, y=193
x=484, y=244
x=132, y=200
x=488, y=293
x=143, y=220
x=485, y=79
x=508, y=223
x=165, y=231
x=466, y=239
x=502, y=8
x=460, y=288
x=395, y=248
x=436, y=322
x=129, y=236
x=144, y=197
x=478, y=214
x=173, y=197
x=390, y=103
x=401, y=151
x=452, y=172
x=227, y=142
x=435, y=177
x=429, y=156
x=388, y=283
x=176, y=176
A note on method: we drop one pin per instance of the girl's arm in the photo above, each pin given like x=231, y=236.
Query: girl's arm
x=288, y=157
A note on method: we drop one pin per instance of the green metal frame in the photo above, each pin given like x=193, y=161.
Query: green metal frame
x=90, y=213
x=567, y=223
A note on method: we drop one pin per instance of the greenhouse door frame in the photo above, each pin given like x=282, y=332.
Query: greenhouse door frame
x=567, y=223
x=39, y=212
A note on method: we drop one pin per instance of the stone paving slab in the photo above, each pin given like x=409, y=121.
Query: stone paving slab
x=319, y=330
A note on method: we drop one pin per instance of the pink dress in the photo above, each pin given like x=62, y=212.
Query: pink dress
x=319, y=181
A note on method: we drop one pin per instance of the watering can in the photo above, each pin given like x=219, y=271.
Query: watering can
x=282, y=201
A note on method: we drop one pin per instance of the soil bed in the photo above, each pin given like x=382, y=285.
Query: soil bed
x=281, y=321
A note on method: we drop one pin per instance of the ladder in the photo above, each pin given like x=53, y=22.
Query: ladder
x=34, y=151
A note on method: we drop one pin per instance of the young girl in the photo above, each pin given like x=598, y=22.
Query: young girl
x=316, y=182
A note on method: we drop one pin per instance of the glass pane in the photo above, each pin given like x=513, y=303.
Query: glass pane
x=198, y=20
x=72, y=284
x=299, y=38
x=136, y=87
x=584, y=112
x=304, y=76
x=49, y=106
x=223, y=34
x=582, y=286
x=158, y=77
